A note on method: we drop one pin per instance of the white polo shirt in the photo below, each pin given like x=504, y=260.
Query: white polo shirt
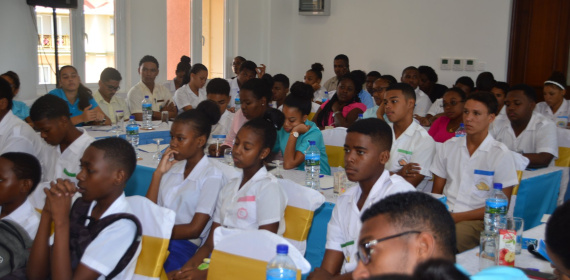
x=109, y=108
x=60, y=165
x=545, y=110
x=197, y=193
x=18, y=136
x=470, y=179
x=414, y=145
x=158, y=97
x=344, y=226
x=534, y=138
x=234, y=91
x=436, y=107
x=260, y=201
x=423, y=103
x=223, y=125
x=184, y=96
x=25, y=216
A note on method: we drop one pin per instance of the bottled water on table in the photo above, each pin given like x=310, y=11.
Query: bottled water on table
x=312, y=166
x=238, y=104
x=132, y=136
x=146, y=113
x=460, y=132
x=326, y=97
x=281, y=266
x=496, y=209
x=360, y=117
x=220, y=139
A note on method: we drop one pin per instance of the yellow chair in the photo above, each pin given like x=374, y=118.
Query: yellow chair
x=334, y=146
x=521, y=163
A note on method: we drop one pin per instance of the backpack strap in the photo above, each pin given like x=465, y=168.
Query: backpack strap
x=79, y=235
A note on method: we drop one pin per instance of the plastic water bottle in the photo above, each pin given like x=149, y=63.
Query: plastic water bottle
x=238, y=104
x=496, y=209
x=360, y=117
x=220, y=139
x=326, y=96
x=132, y=136
x=312, y=166
x=146, y=113
x=460, y=132
x=281, y=266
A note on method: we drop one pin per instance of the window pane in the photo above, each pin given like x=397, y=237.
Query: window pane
x=99, y=37
x=46, y=42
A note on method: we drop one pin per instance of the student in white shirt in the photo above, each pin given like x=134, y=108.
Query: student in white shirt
x=20, y=174
x=247, y=71
x=192, y=93
x=182, y=75
x=367, y=150
x=106, y=98
x=159, y=96
x=313, y=77
x=106, y=166
x=280, y=89
x=500, y=90
x=465, y=169
x=411, y=76
x=186, y=182
x=412, y=147
x=554, y=104
x=67, y=143
x=436, y=109
x=341, y=68
x=252, y=201
x=218, y=91
x=525, y=131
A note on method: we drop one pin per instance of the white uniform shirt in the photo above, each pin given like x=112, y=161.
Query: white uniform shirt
x=436, y=107
x=158, y=97
x=25, y=216
x=196, y=193
x=170, y=85
x=184, y=96
x=423, y=103
x=414, y=145
x=60, y=165
x=260, y=201
x=223, y=125
x=503, y=111
x=18, y=136
x=467, y=176
x=109, y=108
x=545, y=110
x=234, y=91
x=539, y=136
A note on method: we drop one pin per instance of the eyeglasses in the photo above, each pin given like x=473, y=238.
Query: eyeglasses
x=365, y=250
x=452, y=103
x=112, y=88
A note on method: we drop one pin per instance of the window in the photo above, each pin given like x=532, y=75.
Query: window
x=46, y=41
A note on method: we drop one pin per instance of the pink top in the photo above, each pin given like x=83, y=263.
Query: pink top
x=238, y=121
x=438, y=130
x=345, y=110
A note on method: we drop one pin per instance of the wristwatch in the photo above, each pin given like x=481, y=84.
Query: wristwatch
x=295, y=134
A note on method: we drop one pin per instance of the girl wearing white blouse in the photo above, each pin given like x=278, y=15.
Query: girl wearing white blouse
x=191, y=94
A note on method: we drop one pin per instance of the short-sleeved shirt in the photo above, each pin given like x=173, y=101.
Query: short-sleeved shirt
x=184, y=97
x=73, y=108
x=436, y=107
x=314, y=134
x=170, y=85
x=331, y=84
x=158, y=97
x=438, y=130
x=223, y=125
x=20, y=109
x=423, y=103
x=260, y=201
x=234, y=91
x=344, y=227
x=18, y=136
x=545, y=110
x=109, y=108
x=238, y=121
x=197, y=193
x=329, y=120
x=470, y=179
x=414, y=145
x=25, y=216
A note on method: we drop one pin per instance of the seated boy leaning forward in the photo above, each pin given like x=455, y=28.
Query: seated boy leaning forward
x=98, y=236
x=367, y=149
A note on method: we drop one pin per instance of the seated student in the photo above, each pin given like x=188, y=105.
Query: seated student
x=158, y=95
x=405, y=232
x=182, y=75
x=20, y=174
x=411, y=76
x=428, y=83
x=343, y=108
x=444, y=127
x=364, y=96
x=280, y=90
x=186, y=182
x=218, y=91
x=67, y=143
x=106, y=95
x=524, y=130
x=19, y=108
x=247, y=71
x=500, y=90
x=82, y=106
x=554, y=104
x=367, y=150
x=370, y=78
x=485, y=82
x=15, y=134
x=194, y=92
x=341, y=68
x=556, y=239
x=251, y=201
x=293, y=138
x=465, y=168
x=412, y=147
x=236, y=63
x=436, y=110
x=106, y=166
x=313, y=77
x=378, y=91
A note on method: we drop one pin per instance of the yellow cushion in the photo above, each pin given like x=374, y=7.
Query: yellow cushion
x=297, y=223
x=310, y=116
x=519, y=177
x=563, y=157
x=153, y=254
x=229, y=266
x=335, y=155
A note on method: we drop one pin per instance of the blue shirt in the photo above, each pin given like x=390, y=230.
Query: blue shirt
x=73, y=108
x=314, y=134
x=371, y=114
x=366, y=99
x=496, y=273
x=20, y=109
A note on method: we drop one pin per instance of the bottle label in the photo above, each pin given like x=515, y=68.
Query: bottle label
x=312, y=160
x=283, y=274
x=132, y=130
x=147, y=106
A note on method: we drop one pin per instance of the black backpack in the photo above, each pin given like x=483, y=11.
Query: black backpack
x=15, y=245
x=80, y=236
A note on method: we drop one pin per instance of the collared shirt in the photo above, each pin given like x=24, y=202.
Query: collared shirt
x=234, y=91
x=25, y=216
x=423, y=103
x=503, y=111
x=470, y=179
x=238, y=121
x=109, y=108
x=436, y=107
x=20, y=109
x=184, y=96
x=170, y=85
x=223, y=126
x=158, y=97
x=545, y=110
x=73, y=108
x=18, y=136
x=331, y=84
x=344, y=226
x=414, y=145
x=260, y=201
x=197, y=193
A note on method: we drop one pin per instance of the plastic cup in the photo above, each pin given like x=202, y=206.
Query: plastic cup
x=516, y=224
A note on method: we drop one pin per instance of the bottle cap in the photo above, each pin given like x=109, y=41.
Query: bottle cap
x=360, y=115
x=218, y=136
x=146, y=96
x=311, y=142
x=497, y=186
x=282, y=249
x=461, y=125
x=131, y=117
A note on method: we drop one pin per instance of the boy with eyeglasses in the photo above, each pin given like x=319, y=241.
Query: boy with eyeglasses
x=106, y=94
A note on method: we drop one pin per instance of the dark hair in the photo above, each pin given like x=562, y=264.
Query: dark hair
x=406, y=89
x=240, y=58
x=26, y=166
x=196, y=68
x=410, y=68
x=429, y=72
x=486, y=98
x=301, y=97
x=391, y=80
x=267, y=126
x=119, y=153
x=458, y=91
x=528, y=91
x=502, y=86
x=15, y=78
x=148, y=58
x=184, y=64
x=281, y=78
x=375, y=74
x=318, y=69
x=556, y=236
x=268, y=80
x=377, y=129
x=249, y=65
x=360, y=76
x=419, y=211
x=343, y=58
x=83, y=93
x=485, y=81
x=218, y=86
x=259, y=87
x=556, y=76
x=6, y=92
x=49, y=107
x=109, y=74
x=201, y=119
x=438, y=269
x=325, y=111
x=467, y=81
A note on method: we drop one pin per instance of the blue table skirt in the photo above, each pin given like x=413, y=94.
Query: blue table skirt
x=146, y=137
x=537, y=196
